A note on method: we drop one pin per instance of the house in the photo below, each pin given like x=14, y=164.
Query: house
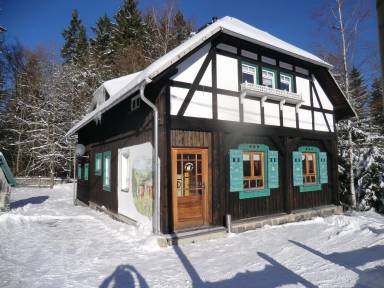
x=6, y=182
x=232, y=121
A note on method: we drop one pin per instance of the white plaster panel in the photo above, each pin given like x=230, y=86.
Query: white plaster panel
x=302, y=87
x=207, y=77
x=188, y=69
x=272, y=114
x=177, y=97
x=315, y=102
x=305, y=119
x=227, y=47
x=289, y=116
x=227, y=76
x=302, y=70
x=325, y=102
x=285, y=65
x=228, y=108
x=252, y=112
x=200, y=105
x=249, y=54
x=268, y=60
x=320, y=124
x=330, y=121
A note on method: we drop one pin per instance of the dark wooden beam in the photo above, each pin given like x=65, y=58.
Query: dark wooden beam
x=196, y=82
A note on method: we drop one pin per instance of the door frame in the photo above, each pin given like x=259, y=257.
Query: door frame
x=205, y=166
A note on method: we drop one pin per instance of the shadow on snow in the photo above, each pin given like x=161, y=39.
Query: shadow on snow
x=31, y=200
x=274, y=274
x=372, y=277
x=124, y=276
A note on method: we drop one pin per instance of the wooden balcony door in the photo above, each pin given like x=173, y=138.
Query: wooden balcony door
x=189, y=187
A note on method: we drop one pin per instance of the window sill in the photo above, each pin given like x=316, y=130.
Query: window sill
x=310, y=187
x=253, y=193
x=106, y=188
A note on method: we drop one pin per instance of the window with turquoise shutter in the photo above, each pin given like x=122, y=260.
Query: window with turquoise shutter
x=254, y=170
x=79, y=172
x=310, y=168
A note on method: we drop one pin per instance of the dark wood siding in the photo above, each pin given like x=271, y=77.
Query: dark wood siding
x=119, y=127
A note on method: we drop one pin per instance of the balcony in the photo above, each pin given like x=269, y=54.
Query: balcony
x=265, y=92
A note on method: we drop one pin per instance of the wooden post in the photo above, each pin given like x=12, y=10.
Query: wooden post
x=287, y=177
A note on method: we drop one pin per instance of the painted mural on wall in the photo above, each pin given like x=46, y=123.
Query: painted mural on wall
x=136, y=182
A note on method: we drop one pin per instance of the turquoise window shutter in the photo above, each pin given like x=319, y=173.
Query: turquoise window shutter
x=323, y=167
x=98, y=163
x=86, y=171
x=79, y=171
x=235, y=170
x=273, y=169
x=297, y=168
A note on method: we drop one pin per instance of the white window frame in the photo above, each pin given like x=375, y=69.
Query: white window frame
x=135, y=103
x=273, y=73
x=247, y=71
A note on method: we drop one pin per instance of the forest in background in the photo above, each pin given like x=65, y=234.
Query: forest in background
x=41, y=98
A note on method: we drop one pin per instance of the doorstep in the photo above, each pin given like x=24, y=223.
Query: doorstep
x=192, y=236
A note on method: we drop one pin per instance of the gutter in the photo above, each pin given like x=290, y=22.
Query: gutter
x=156, y=167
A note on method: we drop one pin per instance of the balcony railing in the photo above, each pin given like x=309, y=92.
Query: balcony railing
x=265, y=92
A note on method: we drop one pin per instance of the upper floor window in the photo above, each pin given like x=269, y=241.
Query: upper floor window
x=253, y=169
x=268, y=78
x=286, y=82
x=249, y=73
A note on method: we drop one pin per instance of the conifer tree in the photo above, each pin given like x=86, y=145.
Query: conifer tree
x=128, y=26
x=358, y=92
x=76, y=43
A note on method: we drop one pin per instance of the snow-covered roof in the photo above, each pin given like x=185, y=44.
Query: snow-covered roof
x=113, y=86
x=227, y=25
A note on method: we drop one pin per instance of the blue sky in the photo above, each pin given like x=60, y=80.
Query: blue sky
x=40, y=22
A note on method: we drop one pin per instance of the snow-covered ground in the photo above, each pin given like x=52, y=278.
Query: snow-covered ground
x=47, y=242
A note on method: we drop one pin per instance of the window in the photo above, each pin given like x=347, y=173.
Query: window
x=86, y=171
x=249, y=73
x=286, y=82
x=268, y=78
x=98, y=159
x=135, y=103
x=107, y=171
x=79, y=172
x=125, y=177
x=253, y=169
x=309, y=168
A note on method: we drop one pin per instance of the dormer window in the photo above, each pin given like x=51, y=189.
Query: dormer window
x=286, y=82
x=269, y=78
x=249, y=73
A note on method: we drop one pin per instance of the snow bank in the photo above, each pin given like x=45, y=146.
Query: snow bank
x=56, y=244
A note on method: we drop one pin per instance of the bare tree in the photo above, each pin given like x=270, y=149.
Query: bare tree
x=342, y=20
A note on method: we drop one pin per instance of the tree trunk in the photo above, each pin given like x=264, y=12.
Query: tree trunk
x=351, y=170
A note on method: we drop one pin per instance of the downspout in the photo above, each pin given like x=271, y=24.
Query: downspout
x=156, y=212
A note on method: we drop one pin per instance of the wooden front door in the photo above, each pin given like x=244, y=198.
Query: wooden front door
x=189, y=187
